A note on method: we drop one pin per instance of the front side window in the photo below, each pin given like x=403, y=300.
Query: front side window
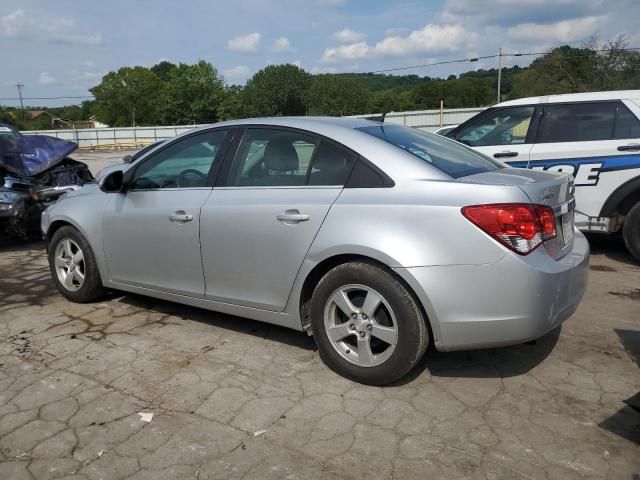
x=577, y=122
x=184, y=164
x=446, y=155
x=268, y=157
x=503, y=126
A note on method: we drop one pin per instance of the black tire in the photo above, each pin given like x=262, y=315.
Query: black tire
x=412, y=332
x=91, y=289
x=631, y=231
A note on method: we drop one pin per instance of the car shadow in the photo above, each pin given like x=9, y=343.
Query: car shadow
x=244, y=325
x=626, y=421
x=612, y=247
x=485, y=363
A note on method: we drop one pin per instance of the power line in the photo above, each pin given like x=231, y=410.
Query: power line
x=475, y=59
x=500, y=55
x=47, y=98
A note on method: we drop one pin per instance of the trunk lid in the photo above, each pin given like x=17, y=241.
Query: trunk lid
x=555, y=190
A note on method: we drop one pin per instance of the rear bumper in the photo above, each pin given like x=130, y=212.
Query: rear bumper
x=512, y=301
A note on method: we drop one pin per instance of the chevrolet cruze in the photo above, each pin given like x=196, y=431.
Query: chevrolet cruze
x=374, y=238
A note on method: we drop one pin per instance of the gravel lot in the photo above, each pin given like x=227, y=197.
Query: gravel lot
x=233, y=398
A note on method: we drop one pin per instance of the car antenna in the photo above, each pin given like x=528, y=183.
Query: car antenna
x=378, y=118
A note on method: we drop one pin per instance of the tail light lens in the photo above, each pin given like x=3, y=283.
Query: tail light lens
x=522, y=227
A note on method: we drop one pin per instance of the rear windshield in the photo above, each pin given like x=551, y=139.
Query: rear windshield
x=452, y=158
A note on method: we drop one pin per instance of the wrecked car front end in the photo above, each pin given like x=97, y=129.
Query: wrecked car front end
x=35, y=171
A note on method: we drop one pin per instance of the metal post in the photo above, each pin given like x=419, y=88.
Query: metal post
x=20, y=85
x=441, y=112
x=499, y=71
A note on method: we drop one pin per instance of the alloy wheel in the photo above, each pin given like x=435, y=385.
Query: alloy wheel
x=360, y=325
x=69, y=264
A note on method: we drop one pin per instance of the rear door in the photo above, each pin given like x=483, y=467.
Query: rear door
x=257, y=227
x=597, y=142
x=503, y=133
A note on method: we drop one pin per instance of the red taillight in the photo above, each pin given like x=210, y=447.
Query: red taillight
x=520, y=226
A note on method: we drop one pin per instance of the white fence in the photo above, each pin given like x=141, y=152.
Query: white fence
x=134, y=137
x=429, y=120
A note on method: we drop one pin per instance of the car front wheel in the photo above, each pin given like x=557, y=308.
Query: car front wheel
x=73, y=266
x=367, y=325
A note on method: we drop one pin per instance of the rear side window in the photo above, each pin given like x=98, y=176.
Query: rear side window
x=446, y=155
x=331, y=165
x=627, y=124
x=577, y=122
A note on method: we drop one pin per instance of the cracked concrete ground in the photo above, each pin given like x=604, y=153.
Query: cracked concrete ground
x=234, y=398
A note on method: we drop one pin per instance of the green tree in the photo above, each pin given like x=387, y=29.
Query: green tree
x=192, y=94
x=232, y=106
x=128, y=97
x=163, y=69
x=336, y=95
x=10, y=117
x=277, y=90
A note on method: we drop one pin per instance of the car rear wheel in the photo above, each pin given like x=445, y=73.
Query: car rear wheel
x=73, y=266
x=367, y=325
x=631, y=231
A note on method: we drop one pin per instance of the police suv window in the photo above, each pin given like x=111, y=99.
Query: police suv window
x=577, y=122
x=627, y=125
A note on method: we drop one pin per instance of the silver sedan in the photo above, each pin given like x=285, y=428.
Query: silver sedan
x=374, y=238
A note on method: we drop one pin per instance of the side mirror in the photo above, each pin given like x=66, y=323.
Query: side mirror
x=127, y=159
x=113, y=182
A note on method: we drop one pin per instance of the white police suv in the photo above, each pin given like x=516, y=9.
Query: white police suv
x=593, y=136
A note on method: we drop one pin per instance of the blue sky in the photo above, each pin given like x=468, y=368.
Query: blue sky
x=63, y=48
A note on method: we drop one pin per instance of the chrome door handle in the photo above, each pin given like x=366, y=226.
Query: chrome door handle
x=505, y=154
x=180, y=217
x=292, y=216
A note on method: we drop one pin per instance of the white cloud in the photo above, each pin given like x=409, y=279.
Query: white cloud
x=297, y=63
x=245, y=44
x=46, y=78
x=346, y=52
x=430, y=39
x=564, y=31
x=348, y=36
x=237, y=74
x=280, y=45
x=46, y=28
x=331, y=2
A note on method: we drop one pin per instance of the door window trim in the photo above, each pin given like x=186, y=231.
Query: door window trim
x=214, y=170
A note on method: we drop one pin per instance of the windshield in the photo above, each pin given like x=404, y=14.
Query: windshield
x=446, y=155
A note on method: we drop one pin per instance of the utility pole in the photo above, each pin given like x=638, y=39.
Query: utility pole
x=499, y=71
x=20, y=85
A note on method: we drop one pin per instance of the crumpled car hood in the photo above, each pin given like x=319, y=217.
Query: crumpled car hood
x=29, y=155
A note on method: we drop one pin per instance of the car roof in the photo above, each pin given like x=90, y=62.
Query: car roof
x=575, y=97
x=307, y=123
x=344, y=130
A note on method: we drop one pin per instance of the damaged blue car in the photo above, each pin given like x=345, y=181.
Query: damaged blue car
x=34, y=171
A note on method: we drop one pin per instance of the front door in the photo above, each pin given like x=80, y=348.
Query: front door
x=151, y=233
x=256, y=230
